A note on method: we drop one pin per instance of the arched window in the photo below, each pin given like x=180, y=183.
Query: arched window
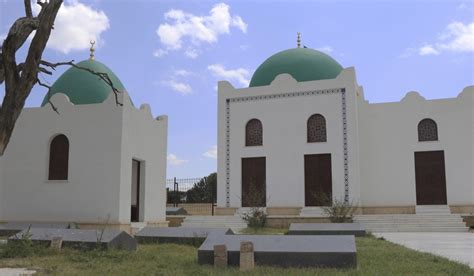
x=253, y=133
x=316, y=128
x=427, y=130
x=59, y=158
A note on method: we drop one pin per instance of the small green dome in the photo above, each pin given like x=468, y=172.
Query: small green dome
x=82, y=87
x=303, y=64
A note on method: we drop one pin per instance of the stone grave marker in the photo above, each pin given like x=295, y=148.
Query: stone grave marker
x=220, y=256
x=247, y=261
x=56, y=243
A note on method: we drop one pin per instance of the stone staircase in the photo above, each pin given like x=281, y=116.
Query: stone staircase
x=432, y=209
x=234, y=222
x=312, y=212
x=434, y=218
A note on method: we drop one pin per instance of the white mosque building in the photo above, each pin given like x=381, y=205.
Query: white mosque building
x=303, y=131
x=95, y=162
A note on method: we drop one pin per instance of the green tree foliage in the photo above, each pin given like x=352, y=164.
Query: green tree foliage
x=175, y=197
x=204, y=191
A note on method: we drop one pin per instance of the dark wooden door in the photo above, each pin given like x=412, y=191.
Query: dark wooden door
x=135, y=211
x=253, y=182
x=430, y=178
x=318, y=180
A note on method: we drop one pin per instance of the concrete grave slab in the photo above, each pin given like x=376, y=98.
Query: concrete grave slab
x=355, y=229
x=285, y=251
x=10, y=228
x=179, y=235
x=175, y=211
x=81, y=238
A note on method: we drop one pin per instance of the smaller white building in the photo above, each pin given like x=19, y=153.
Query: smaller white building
x=94, y=162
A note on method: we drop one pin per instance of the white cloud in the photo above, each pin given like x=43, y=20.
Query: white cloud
x=240, y=74
x=183, y=73
x=159, y=53
x=211, y=153
x=457, y=37
x=75, y=26
x=191, y=53
x=182, y=26
x=180, y=87
x=326, y=49
x=428, y=50
x=175, y=161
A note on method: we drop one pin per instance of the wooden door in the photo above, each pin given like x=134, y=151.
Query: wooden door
x=253, y=182
x=318, y=179
x=430, y=178
x=135, y=210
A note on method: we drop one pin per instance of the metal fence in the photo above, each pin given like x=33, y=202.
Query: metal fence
x=177, y=193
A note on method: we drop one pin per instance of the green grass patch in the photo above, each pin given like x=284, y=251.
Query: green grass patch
x=375, y=257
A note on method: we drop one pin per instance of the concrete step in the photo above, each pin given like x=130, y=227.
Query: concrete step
x=375, y=230
x=414, y=217
x=410, y=221
x=213, y=225
x=425, y=222
x=431, y=215
x=411, y=226
x=455, y=218
x=135, y=227
x=233, y=222
x=213, y=218
x=312, y=212
x=432, y=209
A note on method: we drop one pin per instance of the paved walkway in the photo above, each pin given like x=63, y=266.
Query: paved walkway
x=458, y=247
x=16, y=271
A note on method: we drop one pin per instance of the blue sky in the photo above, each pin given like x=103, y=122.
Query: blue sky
x=171, y=54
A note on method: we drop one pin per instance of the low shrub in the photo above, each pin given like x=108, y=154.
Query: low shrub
x=339, y=211
x=255, y=217
x=23, y=247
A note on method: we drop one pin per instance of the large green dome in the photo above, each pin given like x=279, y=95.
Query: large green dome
x=303, y=64
x=82, y=87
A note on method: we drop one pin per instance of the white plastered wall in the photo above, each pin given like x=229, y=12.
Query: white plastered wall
x=144, y=139
x=389, y=138
x=103, y=140
x=284, y=137
x=90, y=194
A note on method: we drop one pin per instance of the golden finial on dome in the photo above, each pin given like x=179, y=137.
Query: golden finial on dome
x=91, y=57
x=298, y=40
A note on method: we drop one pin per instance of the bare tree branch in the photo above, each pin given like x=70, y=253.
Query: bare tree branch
x=28, y=11
x=103, y=76
x=40, y=3
x=48, y=95
x=20, y=78
x=20, y=81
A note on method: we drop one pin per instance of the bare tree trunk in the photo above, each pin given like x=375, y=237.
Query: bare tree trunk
x=20, y=78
